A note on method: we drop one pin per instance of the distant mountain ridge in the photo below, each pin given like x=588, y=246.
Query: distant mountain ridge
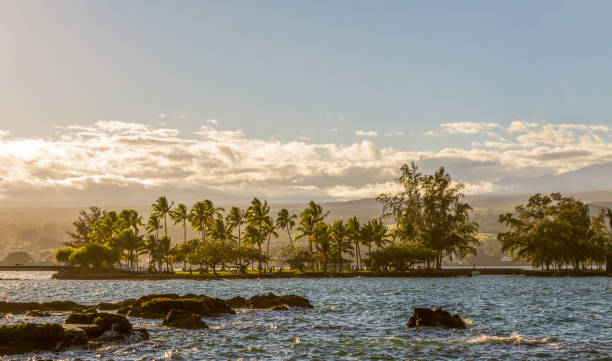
x=593, y=177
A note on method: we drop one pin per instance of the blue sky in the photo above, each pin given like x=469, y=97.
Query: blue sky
x=315, y=71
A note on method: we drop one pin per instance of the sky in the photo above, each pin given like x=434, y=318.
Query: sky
x=115, y=101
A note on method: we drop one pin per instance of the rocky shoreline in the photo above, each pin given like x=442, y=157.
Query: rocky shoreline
x=85, y=325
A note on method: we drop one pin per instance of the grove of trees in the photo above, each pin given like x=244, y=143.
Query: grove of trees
x=429, y=223
x=557, y=232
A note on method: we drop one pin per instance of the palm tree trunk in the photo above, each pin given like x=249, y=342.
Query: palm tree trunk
x=268, y=252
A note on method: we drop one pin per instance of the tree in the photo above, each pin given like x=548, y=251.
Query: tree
x=131, y=242
x=284, y=220
x=202, y=214
x=256, y=215
x=554, y=231
x=82, y=226
x=340, y=232
x=310, y=217
x=269, y=231
x=63, y=254
x=354, y=233
x=180, y=215
x=323, y=242
x=161, y=208
x=428, y=210
x=235, y=219
x=92, y=255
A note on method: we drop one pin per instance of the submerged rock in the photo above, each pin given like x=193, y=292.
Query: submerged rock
x=435, y=318
x=270, y=301
x=183, y=319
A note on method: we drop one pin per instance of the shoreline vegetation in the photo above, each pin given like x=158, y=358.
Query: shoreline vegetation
x=89, y=274
x=423, y=225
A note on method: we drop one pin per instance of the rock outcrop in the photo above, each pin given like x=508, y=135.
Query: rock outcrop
x=27, y=337
x=270, y=301
x=183, y=319
x=435, y=318
x=23, y=307
x=158, y=306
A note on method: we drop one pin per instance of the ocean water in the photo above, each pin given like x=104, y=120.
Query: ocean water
x=509, y=317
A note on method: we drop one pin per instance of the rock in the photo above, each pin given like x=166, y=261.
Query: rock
x=81, y=318
x=37, y=313
x=109, y=306
x=28, y=337
x=270, y=301
x=75, y=335
x=23, y=307
x=435, y=318
x=183, y=319
x=106, y=325
x=158, y=307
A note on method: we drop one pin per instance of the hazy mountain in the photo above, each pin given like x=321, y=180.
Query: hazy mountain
x=597, y=176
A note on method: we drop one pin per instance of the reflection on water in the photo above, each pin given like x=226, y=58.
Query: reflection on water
x=512, y=318
x=26, y=275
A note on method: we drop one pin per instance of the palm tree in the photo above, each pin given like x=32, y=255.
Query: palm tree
x=256, y=216
x=152, y=246
x=129, y=218
x=340, y=232
x=354, y=230
x=221, y=234
x=312, y=215
x=322, y=240
x=131, y=242
x=235, y=219
x=284, y=220
x=202, y=215
x=161, y=207
x=153, y=225
x=379, y=233
x=270, y=230
x=179, y=215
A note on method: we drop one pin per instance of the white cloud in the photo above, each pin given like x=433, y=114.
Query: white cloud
x=332, y=130
x=521, y=126
x=163, y=115
x=467, y=127
x=366, y=133
x=340, y=117
x=212, y=121
x=4, y=133
x=394, y=133
x=114, y=161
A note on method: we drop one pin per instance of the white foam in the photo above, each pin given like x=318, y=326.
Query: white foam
x=513, y=339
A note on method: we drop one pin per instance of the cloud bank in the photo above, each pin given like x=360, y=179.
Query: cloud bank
x=112, y=162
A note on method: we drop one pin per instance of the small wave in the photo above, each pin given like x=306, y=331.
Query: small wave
x=468, y=321
x=513, y=339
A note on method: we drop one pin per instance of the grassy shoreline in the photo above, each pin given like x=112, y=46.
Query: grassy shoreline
x=81, y=274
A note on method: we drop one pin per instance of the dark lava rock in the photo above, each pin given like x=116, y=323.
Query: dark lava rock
x=158, y=307
x=108, y=306
x=102, y=325
x=435, y=318
x=22, y=307
x=28, y=337
x=183, y=319
x=85, y=318
x=38, y=313
x=270, y=301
